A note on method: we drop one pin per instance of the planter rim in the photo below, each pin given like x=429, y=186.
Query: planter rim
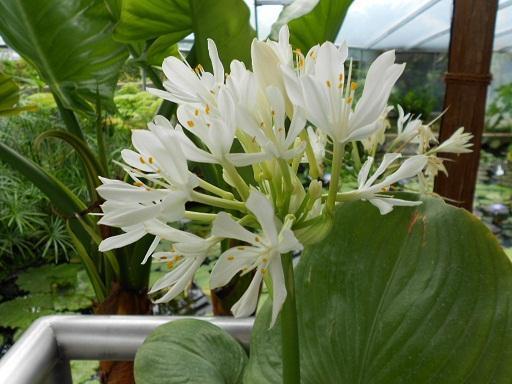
x=43, y=352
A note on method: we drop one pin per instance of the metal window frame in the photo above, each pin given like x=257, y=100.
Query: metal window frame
x=43, y=353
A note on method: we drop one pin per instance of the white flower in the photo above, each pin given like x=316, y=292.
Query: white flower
x=160, y=161
x=369, y=190
x=267, y=126
x=372, y=142
x=321, y=90
x=186, y=255
x=215, y=130
x=318, y=141
x=458, y=143
x=186, y=85
x=263, y=254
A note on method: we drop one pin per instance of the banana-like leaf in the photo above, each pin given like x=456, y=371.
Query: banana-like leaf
x=421, y=295
x=312, y=22
x=70, y=44
x=189, y=351
x=10, y=96
x=225, y=21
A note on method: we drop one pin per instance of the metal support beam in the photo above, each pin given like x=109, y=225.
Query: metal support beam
x=42, y=354
x=468, y=76
x=403, y=21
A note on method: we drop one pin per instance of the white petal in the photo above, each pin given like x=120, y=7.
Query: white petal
x=244, y=159
x=231, y=262
x=133, y=214
x=409, y=168
x=288, y=242
x=151, y=249
x=387, y=160
x=122, y=240
x=224, y=226
x=166, y=232
x=278, y=288
x=132, y=158
x=363, y=173
x=262, y=208
x=183, y=282
x=247, y=303
x=218, y=68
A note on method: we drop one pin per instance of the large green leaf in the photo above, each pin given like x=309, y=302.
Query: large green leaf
x=312, y=22
x=189, y=351
x=421, y=295
x=169, y=21
x=70, y=44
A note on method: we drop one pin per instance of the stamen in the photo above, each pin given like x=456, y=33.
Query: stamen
x=151, y=160
x=354, y=86
x=257, y=238
x=190, y=123
x=231, y=258
x=170, y=264
x=142, y=160
x=328, y=83
x=138, y=184
x=265, y=260
x=263, y=270
x=240, y=248
x=207, y=109
x=196, y=112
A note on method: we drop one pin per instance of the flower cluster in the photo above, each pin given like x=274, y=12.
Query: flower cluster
x=288, y=110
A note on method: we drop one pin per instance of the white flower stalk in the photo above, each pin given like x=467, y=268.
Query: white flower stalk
x=262, y=255
x=459, y=142
x=187, y=85
x=267, y=126
x=322, y=90
x=370, y=190
x=186, y=255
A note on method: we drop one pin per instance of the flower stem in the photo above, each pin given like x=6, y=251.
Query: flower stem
x=289, y=330
x=218, y=202
x=240, y=184
x=337, y=161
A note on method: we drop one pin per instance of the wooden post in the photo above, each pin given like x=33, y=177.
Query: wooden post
x=471, y=41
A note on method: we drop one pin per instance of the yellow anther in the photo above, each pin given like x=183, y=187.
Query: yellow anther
x=231, y=258
x=263, y=270
x=328, y=83
x=353, y=86
x=163, y=257
x=170, y=264
x=257, y=238
x=151, y=160
x=207, y=109
x=297, y=51
x=341, y=77
x=196, y=112
x=240, y=248
x=177, y=258
x=190, y=123
x=142, y=160
x=138, y=184
x=265, y=260
x=349, y=100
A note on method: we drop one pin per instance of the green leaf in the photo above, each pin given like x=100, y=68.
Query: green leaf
x=417, y=296
x=48, y=278
x=70, y=44
x=10, y=96
x=189, y=351
x=22, y=311
x=226, y=22
x=312, y=22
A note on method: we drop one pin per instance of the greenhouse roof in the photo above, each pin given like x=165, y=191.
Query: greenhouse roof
x=410, y=25
x=419, y=25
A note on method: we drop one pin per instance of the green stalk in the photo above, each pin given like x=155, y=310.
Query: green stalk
x=218, y=202
x=240, y=184
x=337, y=161
x=289, y=329
x=287, y=186
x=69, y=118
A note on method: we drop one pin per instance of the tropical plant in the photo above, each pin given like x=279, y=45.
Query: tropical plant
x=83, y=83
x=265, y=218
